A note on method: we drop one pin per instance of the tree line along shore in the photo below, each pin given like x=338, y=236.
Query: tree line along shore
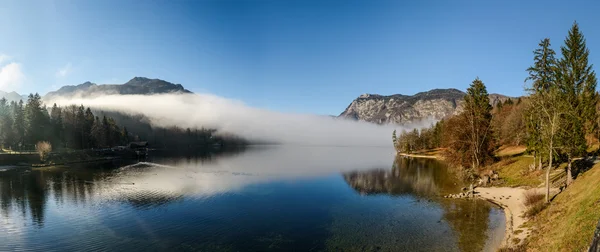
x=546, y=142
x=70, y=133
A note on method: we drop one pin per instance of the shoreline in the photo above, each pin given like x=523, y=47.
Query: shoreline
x=511, y=200
x=76, y=162
x=417, y=155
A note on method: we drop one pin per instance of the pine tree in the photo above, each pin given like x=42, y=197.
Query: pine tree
x=19, y=125
x=35, y=119
x=106, y=131
x=56, y=121
x=125, y=136
x=478, y=116
x=394, y=138
x=577, y=82
x=542, y=75
x=80, y=127
x=546, y=107
x=88, y=123
x=114, y=132
x=533, y=138
x=97, y=133
x=6, y=125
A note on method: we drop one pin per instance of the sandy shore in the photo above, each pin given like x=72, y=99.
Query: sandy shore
x=511, y=200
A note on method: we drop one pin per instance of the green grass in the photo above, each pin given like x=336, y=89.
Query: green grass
x=514, y=171
x=568, y=223
x=507, y=151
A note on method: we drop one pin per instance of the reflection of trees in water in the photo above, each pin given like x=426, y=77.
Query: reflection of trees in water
x=470, y=220
x=26, y=192
x=421, y=177
x=430, y=179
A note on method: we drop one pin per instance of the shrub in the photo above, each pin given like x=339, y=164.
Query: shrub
x=532, y=197
x=534, y=201
x=43, y=148
x=535, y=208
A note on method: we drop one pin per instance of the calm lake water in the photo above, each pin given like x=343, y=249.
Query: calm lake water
x=262, y=199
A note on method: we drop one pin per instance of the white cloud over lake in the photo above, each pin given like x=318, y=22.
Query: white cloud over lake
x=233, y=116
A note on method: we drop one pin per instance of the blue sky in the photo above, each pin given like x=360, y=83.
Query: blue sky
x=284, y=55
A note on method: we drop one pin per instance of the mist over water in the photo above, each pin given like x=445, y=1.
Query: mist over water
x=182, y=177
x=267, y=198
x=232, y=116
x=332, y=185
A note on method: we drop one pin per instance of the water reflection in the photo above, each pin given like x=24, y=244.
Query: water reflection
x=420, y=177
x=262, y=199
x=477, y=225
x=167, y=177
x=26, y=192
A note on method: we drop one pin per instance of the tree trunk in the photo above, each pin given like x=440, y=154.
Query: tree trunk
x=569, y=174
x=548, y=176
x=540, y=167
x=534, y=159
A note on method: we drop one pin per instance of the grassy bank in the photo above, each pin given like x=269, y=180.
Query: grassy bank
x=568, y=222
x=514, y=172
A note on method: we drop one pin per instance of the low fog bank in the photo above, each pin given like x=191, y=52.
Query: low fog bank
x=231, y=116
x=197, y=178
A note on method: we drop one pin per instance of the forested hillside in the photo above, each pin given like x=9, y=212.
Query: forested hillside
x=23, y=125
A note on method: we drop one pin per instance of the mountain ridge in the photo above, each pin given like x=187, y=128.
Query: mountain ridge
x=401, y=109
x=12, y=96
x=137, y=85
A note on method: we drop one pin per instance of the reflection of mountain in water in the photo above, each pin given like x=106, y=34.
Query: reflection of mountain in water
x=430, y=179
x=421, y=177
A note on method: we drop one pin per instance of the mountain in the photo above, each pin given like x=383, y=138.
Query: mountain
x=13, y=96
x=495, y=98
x=137, y=85
x=435, y=104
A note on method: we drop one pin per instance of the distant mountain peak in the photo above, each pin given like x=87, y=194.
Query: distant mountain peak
x=137, y=85
x=140, y=81
x=12, y=96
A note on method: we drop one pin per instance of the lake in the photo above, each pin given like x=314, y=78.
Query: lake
x=268, y=198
